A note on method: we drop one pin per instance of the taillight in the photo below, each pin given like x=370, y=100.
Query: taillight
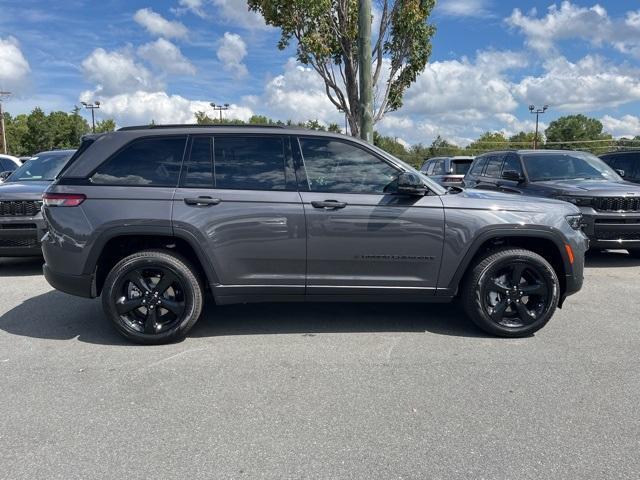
x=63, y=199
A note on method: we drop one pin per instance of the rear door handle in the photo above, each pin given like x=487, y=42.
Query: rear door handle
x=202, y=201
x=329, y=204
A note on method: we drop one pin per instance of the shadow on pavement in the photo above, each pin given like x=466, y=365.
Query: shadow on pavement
x=21, y=267
x=610, y=259
x=56, y=316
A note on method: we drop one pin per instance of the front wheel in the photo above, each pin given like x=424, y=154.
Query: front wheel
x=511, y=292
x=152, y=297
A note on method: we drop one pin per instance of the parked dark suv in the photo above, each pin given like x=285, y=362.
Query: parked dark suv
x=21, y=223
x=610, y=205
x=626, y=163
x=149, y=217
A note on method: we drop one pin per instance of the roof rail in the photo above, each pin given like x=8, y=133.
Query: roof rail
x=193, y=125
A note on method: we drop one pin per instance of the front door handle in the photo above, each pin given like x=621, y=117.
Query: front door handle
x=329, y=204
x=202, y=201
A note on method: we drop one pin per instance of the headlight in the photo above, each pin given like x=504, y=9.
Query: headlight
x=579, y=201
x=575, y=221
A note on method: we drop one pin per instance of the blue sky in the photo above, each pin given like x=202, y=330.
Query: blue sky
x=163, y=60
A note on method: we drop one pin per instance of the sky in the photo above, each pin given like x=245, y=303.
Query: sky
x=164, y=60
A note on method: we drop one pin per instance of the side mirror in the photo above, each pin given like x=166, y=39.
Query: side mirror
x=620, y=172
x=512, y=176
x=5, y=175
x=410, y=184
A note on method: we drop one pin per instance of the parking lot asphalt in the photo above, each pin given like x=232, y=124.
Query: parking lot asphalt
x=326, y=391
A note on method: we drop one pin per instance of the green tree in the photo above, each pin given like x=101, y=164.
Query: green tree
x=104, y=126
x=576, y=129
x=17, y=132
x=488, y=141
x=326, y=34
x=39, y=135
x=523, y=140
x=442, y=148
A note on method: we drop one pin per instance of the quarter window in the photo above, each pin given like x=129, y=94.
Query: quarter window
x=335, y=166
x=249, y=163
x=149, y=162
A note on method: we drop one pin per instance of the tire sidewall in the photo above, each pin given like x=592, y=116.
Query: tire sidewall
x=548, y=276
x=114, y=281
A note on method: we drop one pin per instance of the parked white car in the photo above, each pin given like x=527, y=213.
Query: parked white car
x=8, y=163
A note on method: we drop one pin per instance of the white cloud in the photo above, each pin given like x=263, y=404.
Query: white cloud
x=297, y=94
x=156, y=24
x=625, y=126
x=166, y=56
x=194, y=6
x=14, y=67
x=231, y=52
x=464, y=8
x=235, y=12
x=117, y=72
x=589, y=84
x=142, y=107
x=591, y=24
x=461, y=90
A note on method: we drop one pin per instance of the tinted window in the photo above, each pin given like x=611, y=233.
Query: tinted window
x=198, y=170
x=440, y=168
x=628, y=163
x=249, y=163
x=461, y=167
x=334, y=166
x=478, y=165
x=43, y=167
x=430, y=167
x=493, y=167
x=567, y=166
x=512, y=163
x=150, y=162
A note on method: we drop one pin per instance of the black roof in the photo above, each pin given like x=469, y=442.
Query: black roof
x=192, y=125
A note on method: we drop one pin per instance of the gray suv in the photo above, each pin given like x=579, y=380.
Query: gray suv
x=149, y=218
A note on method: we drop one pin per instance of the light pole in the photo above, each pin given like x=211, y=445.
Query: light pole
x=92, y=106
x=4, y=135
x=537, y=111
x=220, y=108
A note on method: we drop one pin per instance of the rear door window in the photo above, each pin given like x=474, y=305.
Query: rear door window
x=439, y=168
x=198, y=171
x=628, y=163
x=148, y=162
x=250, y=163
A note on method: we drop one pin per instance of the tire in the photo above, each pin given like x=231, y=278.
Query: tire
x=153, y=297
x=634, y=252
x=495, y=302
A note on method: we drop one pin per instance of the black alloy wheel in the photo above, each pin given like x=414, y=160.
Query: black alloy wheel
x=511, y=292
x=153, y=296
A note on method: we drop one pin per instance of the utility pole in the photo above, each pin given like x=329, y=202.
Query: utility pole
x=3, y=135
x=364, y=67
x=92, y=106
x=220, y=108
x=538, y=112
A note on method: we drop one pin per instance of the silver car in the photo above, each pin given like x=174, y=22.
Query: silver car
x=447, y=171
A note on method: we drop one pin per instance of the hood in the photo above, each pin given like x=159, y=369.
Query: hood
x=22, y=190
x=592, y=188
x=489, y=200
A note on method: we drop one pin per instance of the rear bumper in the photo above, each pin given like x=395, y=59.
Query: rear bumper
x=21, y=236
x=79, y=285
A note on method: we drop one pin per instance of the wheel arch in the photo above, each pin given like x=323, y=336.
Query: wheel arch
x=547, y=243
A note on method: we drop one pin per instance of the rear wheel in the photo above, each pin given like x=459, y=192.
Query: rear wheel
x=634, y=252
x=511, y=292
x=153, y=297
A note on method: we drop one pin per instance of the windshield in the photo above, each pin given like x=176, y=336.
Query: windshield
x=43, y=167
x=461, y=167
x=567, y=166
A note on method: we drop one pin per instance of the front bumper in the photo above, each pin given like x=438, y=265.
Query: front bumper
x=611, y=229
x=21, y=236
